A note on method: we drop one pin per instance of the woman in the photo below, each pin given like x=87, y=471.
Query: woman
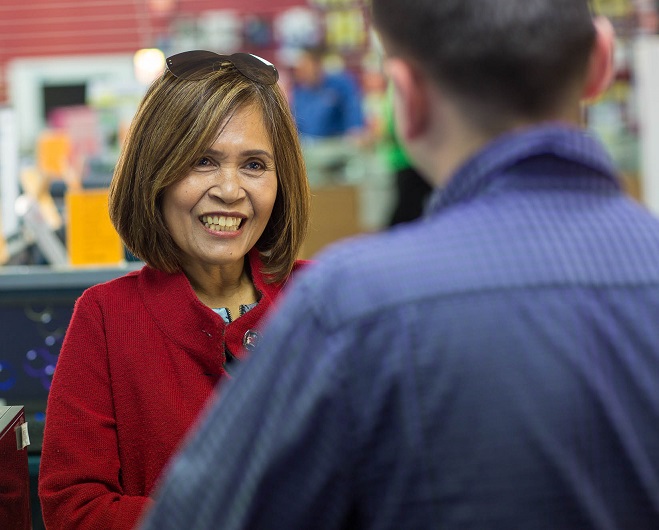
x=211, y=192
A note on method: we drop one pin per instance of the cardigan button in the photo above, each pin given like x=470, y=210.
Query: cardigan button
x=251, y=339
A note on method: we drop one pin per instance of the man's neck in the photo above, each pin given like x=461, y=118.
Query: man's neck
x=449, y=146
x=459, y=141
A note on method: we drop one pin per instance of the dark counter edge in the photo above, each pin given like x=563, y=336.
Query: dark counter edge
x=22, y=277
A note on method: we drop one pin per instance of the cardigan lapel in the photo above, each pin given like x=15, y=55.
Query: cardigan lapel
x=184, y=319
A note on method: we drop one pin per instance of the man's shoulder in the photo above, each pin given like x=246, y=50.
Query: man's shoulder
x=484, y=246
x=370, y=273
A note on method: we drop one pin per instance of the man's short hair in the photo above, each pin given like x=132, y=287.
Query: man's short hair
x=514, y=58
x=317, y=52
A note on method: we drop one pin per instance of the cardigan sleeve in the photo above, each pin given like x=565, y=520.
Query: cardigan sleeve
x=80, y=476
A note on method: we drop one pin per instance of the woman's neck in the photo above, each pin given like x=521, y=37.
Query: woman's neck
x=228, y=287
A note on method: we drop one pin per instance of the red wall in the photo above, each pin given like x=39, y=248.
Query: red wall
x=30, y=28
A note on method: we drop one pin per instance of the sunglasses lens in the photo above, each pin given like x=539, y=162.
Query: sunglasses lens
x=193, y=65
x=255, y=68
x=197, y=64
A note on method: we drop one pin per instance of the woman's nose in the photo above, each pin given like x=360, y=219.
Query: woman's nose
x=227, y=186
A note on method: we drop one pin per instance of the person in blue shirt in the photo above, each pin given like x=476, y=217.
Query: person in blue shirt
x=494, y=365
x=324, y=104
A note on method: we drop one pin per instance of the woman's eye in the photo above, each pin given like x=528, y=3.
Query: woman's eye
x=204, y=163
x=255, y=166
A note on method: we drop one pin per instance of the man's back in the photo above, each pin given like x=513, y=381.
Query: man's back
x=507, y=355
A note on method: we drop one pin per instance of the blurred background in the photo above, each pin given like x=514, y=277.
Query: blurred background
x=73, y=71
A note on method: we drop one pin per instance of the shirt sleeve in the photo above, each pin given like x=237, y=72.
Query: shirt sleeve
x=274, y=450
x=79, y=476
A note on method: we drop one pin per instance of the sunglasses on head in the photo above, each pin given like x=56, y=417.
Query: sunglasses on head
x=197, y=64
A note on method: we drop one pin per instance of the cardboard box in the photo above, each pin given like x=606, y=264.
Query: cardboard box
x=334, y=216
x=90, y=237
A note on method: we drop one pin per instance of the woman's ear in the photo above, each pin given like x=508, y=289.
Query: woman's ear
x=411, y=98
x=600, y=70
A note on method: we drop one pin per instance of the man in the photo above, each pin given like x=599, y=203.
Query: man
x=493, y=366
x=325, y=105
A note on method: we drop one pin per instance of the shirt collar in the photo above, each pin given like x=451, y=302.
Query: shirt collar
x=568, y=143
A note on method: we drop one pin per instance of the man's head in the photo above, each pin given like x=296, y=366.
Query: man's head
x=308, y=70
x=514, y=57
x=500, y=63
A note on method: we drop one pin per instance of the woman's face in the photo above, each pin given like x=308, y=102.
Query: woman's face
x=218, y=211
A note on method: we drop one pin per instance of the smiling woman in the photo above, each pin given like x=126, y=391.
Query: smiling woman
x=211, y=193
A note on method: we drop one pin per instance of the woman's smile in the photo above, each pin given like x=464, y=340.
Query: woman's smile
x=221, y=223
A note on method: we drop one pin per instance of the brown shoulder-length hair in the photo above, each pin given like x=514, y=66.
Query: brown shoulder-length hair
x=176, y=122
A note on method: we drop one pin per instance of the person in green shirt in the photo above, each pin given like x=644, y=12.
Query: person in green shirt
x=412, y=190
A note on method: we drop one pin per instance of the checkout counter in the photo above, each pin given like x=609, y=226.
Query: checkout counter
x=36, y=304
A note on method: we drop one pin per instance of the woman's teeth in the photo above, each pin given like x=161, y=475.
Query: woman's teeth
x=220, y=223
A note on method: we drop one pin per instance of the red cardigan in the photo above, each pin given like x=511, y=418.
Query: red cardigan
x=140, y=358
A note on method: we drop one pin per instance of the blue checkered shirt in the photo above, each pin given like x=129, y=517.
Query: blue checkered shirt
x=493, y=366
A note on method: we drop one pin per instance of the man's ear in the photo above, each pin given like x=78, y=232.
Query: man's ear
x=411, y=98
x=600, y=70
